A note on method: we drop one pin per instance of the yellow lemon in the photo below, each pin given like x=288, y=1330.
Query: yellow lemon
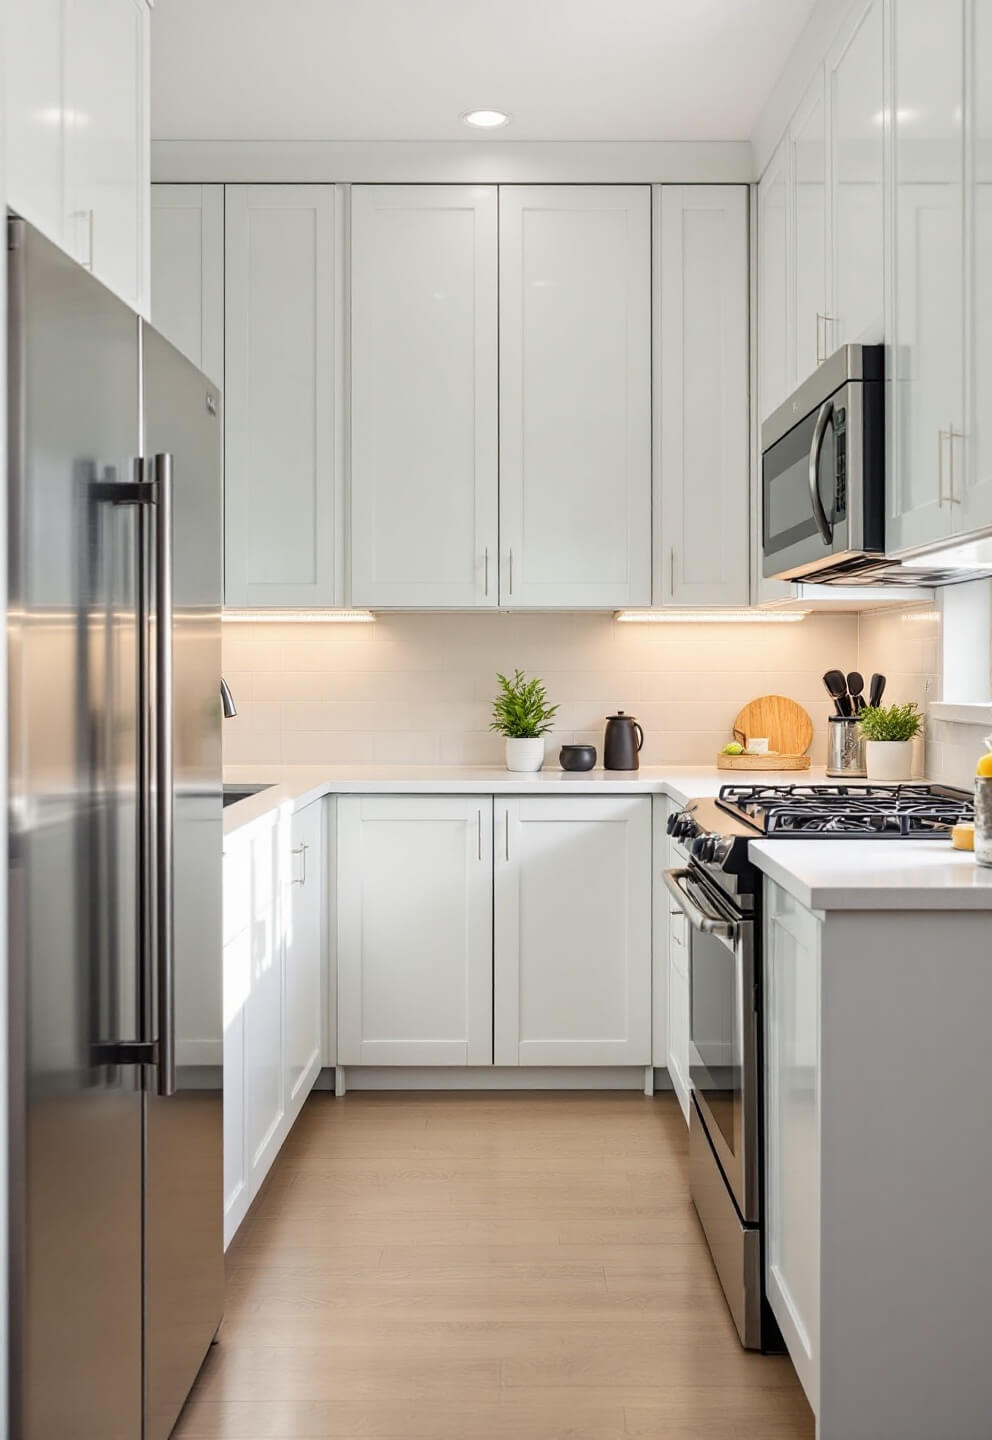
x=984, y=767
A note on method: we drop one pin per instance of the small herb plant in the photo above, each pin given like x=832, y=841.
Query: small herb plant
x=520, y=710
x=891, y=722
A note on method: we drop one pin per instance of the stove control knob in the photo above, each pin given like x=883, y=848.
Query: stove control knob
x=673, y=821
x=704, y=848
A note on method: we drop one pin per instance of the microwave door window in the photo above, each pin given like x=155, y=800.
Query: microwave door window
x=787, y=511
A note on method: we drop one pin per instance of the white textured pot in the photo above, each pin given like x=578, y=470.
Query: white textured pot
x=889, y=760
x=525, y=755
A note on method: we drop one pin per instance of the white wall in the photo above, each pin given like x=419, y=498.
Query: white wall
x=416, y=689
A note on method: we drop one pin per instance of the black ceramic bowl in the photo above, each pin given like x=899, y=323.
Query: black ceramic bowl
x=577, y=757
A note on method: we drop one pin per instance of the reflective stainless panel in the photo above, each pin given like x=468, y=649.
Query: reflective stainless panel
x=184, y=1133
x=735, y=1247
x=76, y=1116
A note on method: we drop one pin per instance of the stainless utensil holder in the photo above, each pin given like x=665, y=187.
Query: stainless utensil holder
x=845, y=749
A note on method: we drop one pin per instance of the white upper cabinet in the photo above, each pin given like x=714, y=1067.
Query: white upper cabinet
x=187, y=272
x=807, y=166
x=701, y=395
x=926, y=327
x=975, y=488
x=572, y=945
x=414, y=930
x=774, y=269
x=77, y=110
x=856, y=103
x=424, y=394
x=282, y=475
x=575, y=396
x=33, y=80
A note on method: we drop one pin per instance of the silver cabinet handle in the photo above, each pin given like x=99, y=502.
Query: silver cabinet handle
x=87, y=264
x=506, y=834
x=301, y=850
x=816, y=445
x=952, y=435
x=480, y=833
x=486, y=563
x=510, y=591
x=940, y=469
x=164, y=779
x=821, y=351
x=671, y=572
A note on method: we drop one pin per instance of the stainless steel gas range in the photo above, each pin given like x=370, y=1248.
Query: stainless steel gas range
x=719, y=892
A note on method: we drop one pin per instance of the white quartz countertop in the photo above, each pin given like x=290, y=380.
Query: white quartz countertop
x=293, y=786
x=821, y=874
x=876, y=874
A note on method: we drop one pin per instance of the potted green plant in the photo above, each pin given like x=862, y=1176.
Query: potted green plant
x=522, y=715
x=889, y=732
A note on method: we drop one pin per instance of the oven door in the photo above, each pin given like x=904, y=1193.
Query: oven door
x=723, y=1029
x=810, y=487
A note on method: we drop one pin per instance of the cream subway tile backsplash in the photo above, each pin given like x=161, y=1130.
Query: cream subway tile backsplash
x=416, y=689
x=904, y=645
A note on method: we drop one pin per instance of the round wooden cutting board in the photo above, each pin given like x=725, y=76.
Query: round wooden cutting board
x=787, y=725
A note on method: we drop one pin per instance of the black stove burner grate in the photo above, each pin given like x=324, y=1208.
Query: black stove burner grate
x=867, y=811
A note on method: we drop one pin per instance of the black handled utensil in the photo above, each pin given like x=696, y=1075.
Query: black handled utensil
x=856, y=689
x=876, y=690
x=836, y=685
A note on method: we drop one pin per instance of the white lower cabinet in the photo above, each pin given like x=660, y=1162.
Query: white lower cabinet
x=302, y=888
x=414, y=930
x=273, y=965
x=572, y=972
x=792, y=1126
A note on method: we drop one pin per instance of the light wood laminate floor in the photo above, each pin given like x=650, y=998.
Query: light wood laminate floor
x=483, y=1267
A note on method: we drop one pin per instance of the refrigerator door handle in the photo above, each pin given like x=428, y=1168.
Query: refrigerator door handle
x=164, y=779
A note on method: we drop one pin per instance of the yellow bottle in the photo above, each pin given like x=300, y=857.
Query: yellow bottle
x=983, y=807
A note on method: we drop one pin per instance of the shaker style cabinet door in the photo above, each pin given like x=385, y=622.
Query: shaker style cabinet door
x=187, y=272
x=414, y=930
x=808, y=177
x=281, y=479
x=702, y=425
x=975, y=487
x=107, y=142
x=572, y=968
x=424, y=396
x=926, y=329
x=792, y=1128
x=856, y=100
x=575, y=396
x=774, y=269
x=302, y=891
x=34, y=112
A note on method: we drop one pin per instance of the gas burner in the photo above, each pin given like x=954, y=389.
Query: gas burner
x=867, y=811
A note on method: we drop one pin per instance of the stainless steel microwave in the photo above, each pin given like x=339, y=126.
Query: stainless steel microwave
x=823, y=473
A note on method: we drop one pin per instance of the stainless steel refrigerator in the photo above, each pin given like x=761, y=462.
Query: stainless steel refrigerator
x=114, y=492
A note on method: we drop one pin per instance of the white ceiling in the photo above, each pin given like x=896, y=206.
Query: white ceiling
x=408, y=69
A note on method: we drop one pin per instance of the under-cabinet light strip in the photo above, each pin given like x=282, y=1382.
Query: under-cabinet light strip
x=711, y=617
x=318, y=617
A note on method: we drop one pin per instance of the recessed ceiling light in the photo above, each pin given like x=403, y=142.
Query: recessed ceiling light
x=486, y=119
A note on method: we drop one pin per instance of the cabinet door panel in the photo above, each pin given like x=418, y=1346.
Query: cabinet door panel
x=280, y=473
x=575, y=396
x=424, y=443
x=856, y=75
x=573, y=931
x=774, y=267
x=792, y=1108
x=414, y=927
x=265, y=1089
x=106, y=141
x=976, y=489
x=701, y=380
x=927, y=346
x=187, y=272
x=302, y=906
x=34, y=112
x=808, y=144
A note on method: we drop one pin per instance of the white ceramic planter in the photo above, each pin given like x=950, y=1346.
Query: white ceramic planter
x=888, y=761
x=525, y=755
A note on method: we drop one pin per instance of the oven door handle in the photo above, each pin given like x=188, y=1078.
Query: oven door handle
x=707, y=921
x=819, y=430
